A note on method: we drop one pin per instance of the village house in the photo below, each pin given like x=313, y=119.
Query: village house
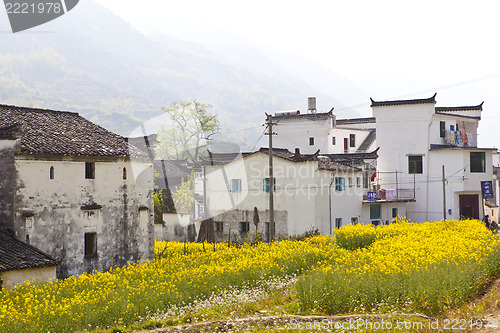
x=311, y=191
x=20, y=262
x=70, y=188
x=417, y=140
x=312, y=130
x=347, y=141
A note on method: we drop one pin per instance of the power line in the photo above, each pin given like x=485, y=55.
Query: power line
x=448, y=86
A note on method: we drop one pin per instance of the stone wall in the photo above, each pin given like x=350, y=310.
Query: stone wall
x=61, y=215
x=231, y=224
x=8, y=178
x=177, y=227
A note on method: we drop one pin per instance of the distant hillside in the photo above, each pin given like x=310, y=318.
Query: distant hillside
x=92, y=62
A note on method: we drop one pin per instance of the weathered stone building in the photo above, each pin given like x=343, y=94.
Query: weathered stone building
x=67, y=188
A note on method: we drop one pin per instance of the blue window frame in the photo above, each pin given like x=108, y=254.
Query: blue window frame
x=235, y=185
x=265, y=184
x=339, y=184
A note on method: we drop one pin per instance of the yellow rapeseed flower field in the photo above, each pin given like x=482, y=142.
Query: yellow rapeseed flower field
x=404, y=265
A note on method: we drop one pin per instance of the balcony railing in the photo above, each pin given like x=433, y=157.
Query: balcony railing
x=401, y=194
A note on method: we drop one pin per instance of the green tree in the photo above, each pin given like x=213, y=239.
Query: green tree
x=191, y=128
x=184, y=196
x=163, y=203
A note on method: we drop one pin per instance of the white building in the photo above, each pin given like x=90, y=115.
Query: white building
x=416, y=140
x=68, y=189
x=310, y=191
x=312, y=131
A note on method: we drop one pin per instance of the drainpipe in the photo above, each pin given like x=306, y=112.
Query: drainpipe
x=330, y=202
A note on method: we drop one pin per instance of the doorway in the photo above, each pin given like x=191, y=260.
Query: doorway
x=469, y=206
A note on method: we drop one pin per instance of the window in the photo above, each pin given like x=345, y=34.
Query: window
x=219, y=226
x=90, y=244
x=477, y=162
x=311, y=141
x=333, y=140
x=375, y=211
x=354, y=220
x=352, y=140
x=235, y=185
x=349, y=181
x=29, y=222
x=124, y=173
x=358, y=182
x=442, y=129
x=51, y=172
x=339, y=184
x=452, y=128
x=415, y=164
x=89, y=170
x=338, y=222
x=244, y=227
x=394, y=212
x=27, y=239
x=265, y=184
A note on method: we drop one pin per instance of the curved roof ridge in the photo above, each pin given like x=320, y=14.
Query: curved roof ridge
x=429, y=100
x=478, y=107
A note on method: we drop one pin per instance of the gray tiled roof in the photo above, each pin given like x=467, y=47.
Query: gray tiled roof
x=310, y=116
x=171, y=172
x=62, y=133
x=354, y=121
x=459, y=108
x=405, y=101
x=15, y=255
x=369, y=140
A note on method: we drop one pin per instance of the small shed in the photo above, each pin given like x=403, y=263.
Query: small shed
x=21, y=262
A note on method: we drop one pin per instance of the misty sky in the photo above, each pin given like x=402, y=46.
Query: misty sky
x=391, y=49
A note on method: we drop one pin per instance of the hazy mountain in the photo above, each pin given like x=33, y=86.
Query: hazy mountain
x=92, y=62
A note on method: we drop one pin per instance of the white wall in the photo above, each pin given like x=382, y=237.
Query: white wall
x=405, y=130
x=344, y=133
x=295, y=133
x=301, y=190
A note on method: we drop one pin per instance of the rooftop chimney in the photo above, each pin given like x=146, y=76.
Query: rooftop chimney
x=311, y=102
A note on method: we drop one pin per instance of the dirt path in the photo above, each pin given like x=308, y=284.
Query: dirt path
x=290, y=321
x=489, y=305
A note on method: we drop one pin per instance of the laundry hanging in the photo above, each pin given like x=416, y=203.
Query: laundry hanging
x=449, y=138
x=458, y=139
x=463, y=136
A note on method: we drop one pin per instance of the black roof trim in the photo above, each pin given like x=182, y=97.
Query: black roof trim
x=459, y=116
x=367, y=120
x=459, y=108
x=310, y=116
x=405, y=102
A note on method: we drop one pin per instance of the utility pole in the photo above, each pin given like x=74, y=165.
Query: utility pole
x=444, y=196
x=271, y=178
